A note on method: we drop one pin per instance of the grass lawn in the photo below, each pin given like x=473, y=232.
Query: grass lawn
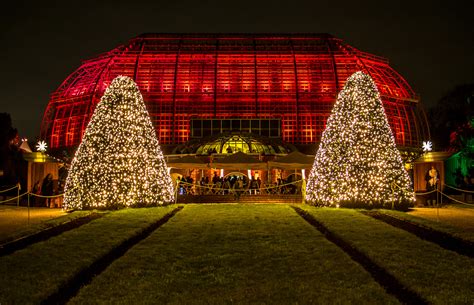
x=14, y=220
x=234, y=254
x=30, y=275
x=438, y=275
x=427, y=218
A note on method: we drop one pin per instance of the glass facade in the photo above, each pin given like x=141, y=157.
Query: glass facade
x=270, y=128
x=232, y=78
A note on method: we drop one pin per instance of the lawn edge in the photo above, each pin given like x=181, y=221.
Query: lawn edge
x=379, y=274
x=69, y=289
x=442, y=239
x=28, y=240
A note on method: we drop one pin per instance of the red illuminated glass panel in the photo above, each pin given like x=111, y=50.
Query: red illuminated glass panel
x=292, y=78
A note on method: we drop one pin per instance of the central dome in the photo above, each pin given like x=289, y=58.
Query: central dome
x=189, y=80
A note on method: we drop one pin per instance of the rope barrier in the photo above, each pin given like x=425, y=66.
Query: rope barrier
x=43, y=196
x=425, y=193
x=458, y=201
x=31, y=194
x=34, y=195
x=416, y=194
x=461, y=190
x=12, y=188
x=398, y=186
x=14, y=198
x=214, y=188
x=443, y=194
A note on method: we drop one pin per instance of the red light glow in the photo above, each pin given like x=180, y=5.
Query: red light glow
x=295, y=78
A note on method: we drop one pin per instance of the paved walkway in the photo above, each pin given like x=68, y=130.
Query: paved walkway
x=15, y=219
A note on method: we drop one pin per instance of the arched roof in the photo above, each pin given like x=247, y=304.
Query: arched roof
x=246, y=143
x=293, y=77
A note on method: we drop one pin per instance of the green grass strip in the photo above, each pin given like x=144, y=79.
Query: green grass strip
x=35, y=228
x=438, y=226
x=440, y=276
x=30, y=275
x=234, y=254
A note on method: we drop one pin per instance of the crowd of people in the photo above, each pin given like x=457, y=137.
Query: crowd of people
x=234, y=183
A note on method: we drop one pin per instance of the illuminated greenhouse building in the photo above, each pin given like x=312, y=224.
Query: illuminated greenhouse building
x=257, y=93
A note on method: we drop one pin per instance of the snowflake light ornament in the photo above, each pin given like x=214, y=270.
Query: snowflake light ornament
x=427, y=146
x=41, y=146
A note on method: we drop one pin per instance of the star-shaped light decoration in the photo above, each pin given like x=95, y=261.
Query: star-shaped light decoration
x=427, y=146
x=41, y=146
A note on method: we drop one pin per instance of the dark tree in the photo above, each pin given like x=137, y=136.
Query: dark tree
x=451, y=118
x=9, y=154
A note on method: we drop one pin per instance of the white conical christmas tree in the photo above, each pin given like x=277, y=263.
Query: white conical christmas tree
x=358, y=163
x=119, y=162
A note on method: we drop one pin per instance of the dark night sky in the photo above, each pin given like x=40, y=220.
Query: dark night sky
x=431, y=43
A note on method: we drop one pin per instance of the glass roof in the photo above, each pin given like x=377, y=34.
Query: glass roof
x=232, y=143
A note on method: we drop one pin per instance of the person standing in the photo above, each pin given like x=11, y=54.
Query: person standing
x=47, y=188
x=202, y=184
x=259, y=185
x=36, y=191
x=253, y=186
x=215, y=178
x=238, y=187
x=432, y=179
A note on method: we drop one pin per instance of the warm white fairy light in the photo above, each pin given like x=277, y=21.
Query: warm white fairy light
x=119, y=162
x=358, y=163
x=427, y=146
x=41, y=146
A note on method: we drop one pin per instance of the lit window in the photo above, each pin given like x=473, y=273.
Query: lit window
x=226, y=87
x=206, y=88
x=166, y=87
x=305, y=87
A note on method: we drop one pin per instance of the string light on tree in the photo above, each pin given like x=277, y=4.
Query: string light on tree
x=41, y=146
x=358, y=163
x=119, y=162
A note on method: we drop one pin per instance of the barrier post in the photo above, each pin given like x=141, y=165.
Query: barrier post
x=441, y=196
x=437, y=213
x=437, y=194
x=303, y=190
x=176, y=193
x=393, y=196
x=437, y=205
x=28, y=194
x=18, y=195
